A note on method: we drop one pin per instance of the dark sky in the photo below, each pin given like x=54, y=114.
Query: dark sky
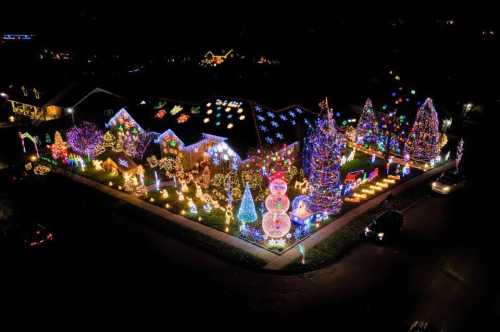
x=321, y=44
x=184, y=25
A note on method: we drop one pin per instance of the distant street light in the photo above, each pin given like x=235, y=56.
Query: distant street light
x=70, y=111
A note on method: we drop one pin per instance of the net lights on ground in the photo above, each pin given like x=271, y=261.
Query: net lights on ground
x=373, y=189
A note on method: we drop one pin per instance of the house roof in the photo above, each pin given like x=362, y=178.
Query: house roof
x=169, y=132
x=245, y=125
x=74, y=95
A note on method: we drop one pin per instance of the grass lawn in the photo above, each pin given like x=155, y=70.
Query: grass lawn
x=361, y=161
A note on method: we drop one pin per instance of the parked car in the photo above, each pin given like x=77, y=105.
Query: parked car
x=385, y=227
x=448, y=182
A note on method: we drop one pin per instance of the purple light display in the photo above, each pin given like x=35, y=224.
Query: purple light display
x=84, y=138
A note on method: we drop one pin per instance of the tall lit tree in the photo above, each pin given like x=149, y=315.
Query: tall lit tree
x=324, y=177
x=423, y=140
x=247, y=212
x=367, y=129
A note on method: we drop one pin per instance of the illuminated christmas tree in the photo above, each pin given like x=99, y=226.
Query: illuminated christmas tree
x=367, y=129
x=109, y=140
x=423, y=140
x=247, y=212
x=326, y=147
x=60, y=148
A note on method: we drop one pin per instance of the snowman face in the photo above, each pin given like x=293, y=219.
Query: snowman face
x=278, y=187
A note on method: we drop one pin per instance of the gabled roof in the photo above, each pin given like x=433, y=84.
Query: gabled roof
x=214, y=137
x=205, y=138
x=123, y=112
x=169, y=132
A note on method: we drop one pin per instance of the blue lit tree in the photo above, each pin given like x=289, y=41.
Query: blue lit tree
x=247, y=212
x=326, y=147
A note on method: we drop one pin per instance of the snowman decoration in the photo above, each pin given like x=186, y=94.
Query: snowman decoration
x=276, y=222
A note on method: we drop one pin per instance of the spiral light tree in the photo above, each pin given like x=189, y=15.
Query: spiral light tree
x=325, y=159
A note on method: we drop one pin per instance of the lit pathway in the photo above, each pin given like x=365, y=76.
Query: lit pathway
x=327, y=231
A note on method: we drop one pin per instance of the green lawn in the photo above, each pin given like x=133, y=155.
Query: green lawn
x=361, y=161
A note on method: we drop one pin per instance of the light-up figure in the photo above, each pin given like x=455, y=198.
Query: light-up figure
x=164, y=194
x=300, y=213
x=192, y=207
x=157, y=181
x=275, y=222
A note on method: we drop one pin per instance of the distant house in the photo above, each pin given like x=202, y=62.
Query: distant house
x=212, y=59
x=36, y=105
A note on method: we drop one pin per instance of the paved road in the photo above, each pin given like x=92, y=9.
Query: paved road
x=441, y=271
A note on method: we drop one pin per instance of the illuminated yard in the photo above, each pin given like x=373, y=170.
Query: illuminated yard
x=269, y=177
